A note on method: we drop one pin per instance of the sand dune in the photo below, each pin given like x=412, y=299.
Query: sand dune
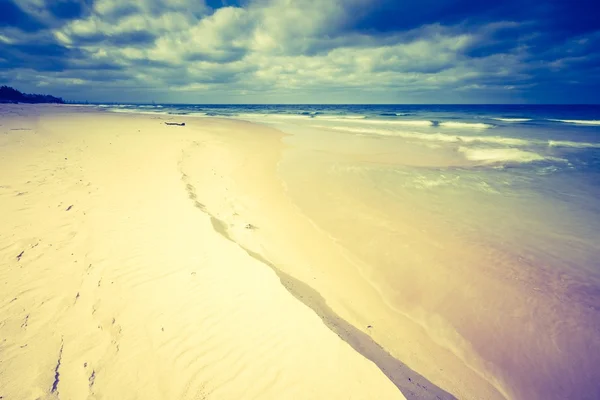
x=115, y=284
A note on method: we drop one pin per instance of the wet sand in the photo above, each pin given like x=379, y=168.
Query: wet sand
x=400, y=266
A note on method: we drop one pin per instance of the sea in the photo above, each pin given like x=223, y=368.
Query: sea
x=484, y=217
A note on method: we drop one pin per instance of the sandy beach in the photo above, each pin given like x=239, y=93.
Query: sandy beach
x=148, y=255
x=276, y=199
x=117, y=283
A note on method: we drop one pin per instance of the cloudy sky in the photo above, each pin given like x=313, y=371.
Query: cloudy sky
x=304, y=51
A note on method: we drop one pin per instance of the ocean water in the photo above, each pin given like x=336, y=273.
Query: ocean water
x=481, y=223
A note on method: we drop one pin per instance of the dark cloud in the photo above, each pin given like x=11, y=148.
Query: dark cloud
x=568, y=18
x=385, y=16
x=120, y=11
x=35, y=56
x=561, y=16
x=12, y=15
x=65, y=9
x=214, y=4
x=133, y=39
x=310, y=46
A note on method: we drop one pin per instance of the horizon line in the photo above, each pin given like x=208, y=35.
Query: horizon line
x=325, y=104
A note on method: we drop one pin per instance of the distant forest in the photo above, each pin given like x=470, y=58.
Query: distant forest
x=10, y=95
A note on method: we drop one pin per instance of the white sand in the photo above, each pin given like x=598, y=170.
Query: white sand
x=114, y=286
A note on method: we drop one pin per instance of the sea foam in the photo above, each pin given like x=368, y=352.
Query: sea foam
x=435, y=137
x=578, y=145
x=363, y=120
x=465, y=125
x=578, y=121
x=513, y=119
x=492, y=156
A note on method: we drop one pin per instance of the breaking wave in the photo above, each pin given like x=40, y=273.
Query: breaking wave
x=341, y=117
x=435, y=137
x=578, y=121
x=467, y=125
x=493, y=156
x=513, y=119
x=577, y=145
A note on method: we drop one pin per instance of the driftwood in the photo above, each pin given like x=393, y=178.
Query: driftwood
x=175, y=123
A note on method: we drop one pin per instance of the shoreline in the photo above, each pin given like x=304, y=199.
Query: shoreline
x=410, y=383
x=117, y=287
x=243, y=167
x=281, y=201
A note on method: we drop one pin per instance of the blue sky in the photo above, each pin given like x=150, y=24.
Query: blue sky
x=304, y=51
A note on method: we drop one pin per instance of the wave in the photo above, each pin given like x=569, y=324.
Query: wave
x=578, y=145
x=195, y=114
x=212, y=114
x=341, y=117
x=136, y=111
x=115, y=106
x=404, y=122
x=363, y=120
x=435, y=137
x=513, y=119
x=301, y=116
x=470, y=125
x=578, y=121
x=150, y=111
x=289, y=116
x=493, y=156
x=250, y=115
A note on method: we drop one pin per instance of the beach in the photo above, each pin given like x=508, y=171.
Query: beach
x=239, y=258
x=115, y=285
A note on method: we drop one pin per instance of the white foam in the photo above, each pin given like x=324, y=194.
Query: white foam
x=578, y=145
x=402, y=122
x=512, y=119
x=363, y=120
x=491, y=156
x=251, y=115
x=137, y=111
x=343, y=118
x=434, y=137
x=424, y=182
x=465, y=125
x=493, y=139
x=578, y=121
x=273, y=116
x=289, y=116
x=189, y=114
x=310, y=116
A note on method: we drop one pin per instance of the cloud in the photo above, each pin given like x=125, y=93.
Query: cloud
x=311, y=50
x=11, y=15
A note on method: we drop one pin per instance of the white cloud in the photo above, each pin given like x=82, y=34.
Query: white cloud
x=271, y=46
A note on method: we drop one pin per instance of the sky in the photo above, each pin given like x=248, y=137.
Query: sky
x=303, y=51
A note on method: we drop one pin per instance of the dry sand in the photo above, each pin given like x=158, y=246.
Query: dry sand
x=115, y=283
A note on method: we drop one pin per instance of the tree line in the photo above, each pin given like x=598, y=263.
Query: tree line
x=11, y=95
